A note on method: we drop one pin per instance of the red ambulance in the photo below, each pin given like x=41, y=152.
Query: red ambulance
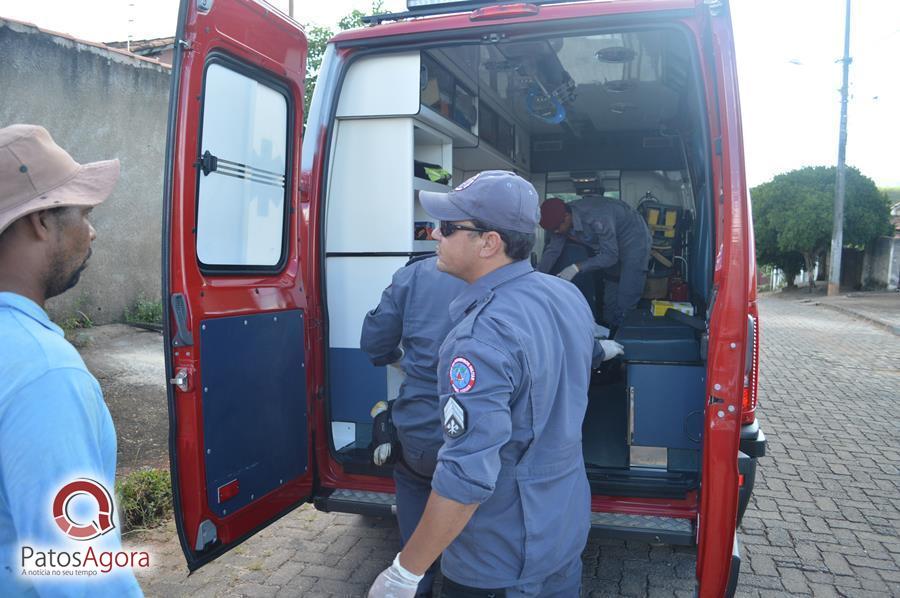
x=278, y=237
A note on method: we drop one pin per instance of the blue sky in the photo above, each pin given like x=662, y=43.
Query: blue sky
x=786, y=49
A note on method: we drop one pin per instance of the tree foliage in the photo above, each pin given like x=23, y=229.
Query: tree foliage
x=317, y=38
x=794, y=212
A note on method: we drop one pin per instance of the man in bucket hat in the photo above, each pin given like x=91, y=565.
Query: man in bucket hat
x=54, y=426
x=510, y=501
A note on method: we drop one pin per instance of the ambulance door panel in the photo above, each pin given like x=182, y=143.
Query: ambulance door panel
x=236, y=337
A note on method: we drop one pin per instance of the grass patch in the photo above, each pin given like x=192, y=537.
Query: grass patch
x=76, y=321
x=144, y=311
x=145, y=499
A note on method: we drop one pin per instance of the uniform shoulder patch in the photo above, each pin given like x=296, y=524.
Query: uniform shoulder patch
x=462, y=374
x=454, y=418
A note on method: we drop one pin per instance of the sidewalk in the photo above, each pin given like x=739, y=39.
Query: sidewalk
x=879, y=308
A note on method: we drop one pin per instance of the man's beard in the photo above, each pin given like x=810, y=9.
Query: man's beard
x=59, y=282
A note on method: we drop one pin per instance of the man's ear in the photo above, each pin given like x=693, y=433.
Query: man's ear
x=38, y=224
x=493, y=244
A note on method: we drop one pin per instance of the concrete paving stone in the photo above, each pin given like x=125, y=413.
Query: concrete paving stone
x=606, y=592
x=633, y=586
x=327, y=572
x=300, y=585
x=860, y=564
x=252, y=590
x=342, y=589
x=165, y=590
x=762, y=564
x=768, y=582
x=793, y=580
x=285, y=573
x=209, y=590
x=317, y=558
x=660, y=593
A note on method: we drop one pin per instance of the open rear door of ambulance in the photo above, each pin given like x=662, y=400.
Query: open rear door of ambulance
x=718, y=550
x=236, y=347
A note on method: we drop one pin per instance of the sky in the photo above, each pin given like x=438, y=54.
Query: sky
x=788, y=69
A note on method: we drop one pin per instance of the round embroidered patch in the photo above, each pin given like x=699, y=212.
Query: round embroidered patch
x=462, y=374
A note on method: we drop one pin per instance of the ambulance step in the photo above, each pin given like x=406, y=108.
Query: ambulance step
x=665, y=530
x=360, y=502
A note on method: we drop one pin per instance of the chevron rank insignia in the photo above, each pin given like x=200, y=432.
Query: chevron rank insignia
x=454, y=418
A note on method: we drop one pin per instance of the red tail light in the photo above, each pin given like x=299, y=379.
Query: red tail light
x=504, y=11
x=750, y=397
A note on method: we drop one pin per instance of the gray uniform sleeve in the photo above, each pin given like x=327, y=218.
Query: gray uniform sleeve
x=469, y=463
x=551, y=253
x=597, y=356
x=607, y=245
x=383, y=326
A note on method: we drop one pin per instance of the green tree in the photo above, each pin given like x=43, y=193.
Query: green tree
x=317, y=38
x=793, y=215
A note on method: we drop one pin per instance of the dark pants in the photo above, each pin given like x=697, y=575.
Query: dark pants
x=411, y=477
x=573, y=253
x=623, y=286
x=564, y=583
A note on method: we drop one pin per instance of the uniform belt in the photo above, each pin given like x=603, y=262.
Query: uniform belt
x=452, y=589
x=402, y=461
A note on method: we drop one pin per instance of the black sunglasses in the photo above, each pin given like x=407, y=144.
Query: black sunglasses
x=448, y=228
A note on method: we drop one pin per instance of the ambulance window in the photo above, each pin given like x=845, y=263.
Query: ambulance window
x=241, y=198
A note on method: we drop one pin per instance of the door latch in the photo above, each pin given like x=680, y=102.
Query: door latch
x=182, y=380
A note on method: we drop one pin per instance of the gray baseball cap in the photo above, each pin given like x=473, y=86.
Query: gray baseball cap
x=494, y=197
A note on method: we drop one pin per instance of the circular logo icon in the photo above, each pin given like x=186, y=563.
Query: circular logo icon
x=79, y=530
x=462, y=375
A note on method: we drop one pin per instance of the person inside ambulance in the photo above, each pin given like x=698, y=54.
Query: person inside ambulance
x=612, y=237
x=510, y=502
x=406, y=330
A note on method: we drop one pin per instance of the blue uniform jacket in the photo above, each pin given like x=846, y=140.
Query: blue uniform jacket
x=514, y=375
x=413, y=310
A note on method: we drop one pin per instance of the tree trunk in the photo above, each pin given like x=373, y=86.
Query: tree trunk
x=810, y=260
x=823, y=267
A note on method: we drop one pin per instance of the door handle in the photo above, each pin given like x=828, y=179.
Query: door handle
x=630, y=433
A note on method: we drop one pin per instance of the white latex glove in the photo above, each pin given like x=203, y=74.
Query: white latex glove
x=569, y=272
x=611, y=349
x=395, y=582
x=381, y=454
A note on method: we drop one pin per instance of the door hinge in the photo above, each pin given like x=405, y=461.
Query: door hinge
x=206, y=534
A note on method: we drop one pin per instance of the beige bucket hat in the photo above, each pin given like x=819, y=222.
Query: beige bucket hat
x=36, y=174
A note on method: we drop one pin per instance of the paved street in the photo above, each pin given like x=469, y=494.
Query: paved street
x=824, y=520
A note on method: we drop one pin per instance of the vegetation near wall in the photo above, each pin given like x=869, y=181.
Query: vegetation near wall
x=793, y=216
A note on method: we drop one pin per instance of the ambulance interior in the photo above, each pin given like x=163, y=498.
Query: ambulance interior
x=623, y=109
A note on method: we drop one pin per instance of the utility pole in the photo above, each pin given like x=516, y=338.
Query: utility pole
x=291, y=8
x=837, y=234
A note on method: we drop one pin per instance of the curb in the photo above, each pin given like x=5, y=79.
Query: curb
x=895, y=330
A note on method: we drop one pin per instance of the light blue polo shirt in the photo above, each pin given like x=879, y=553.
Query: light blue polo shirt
x=54, y=428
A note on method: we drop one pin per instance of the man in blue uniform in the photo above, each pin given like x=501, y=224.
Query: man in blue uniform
x=54, y=426
x=615, y=241
x=407, y=328
x=510, y=501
